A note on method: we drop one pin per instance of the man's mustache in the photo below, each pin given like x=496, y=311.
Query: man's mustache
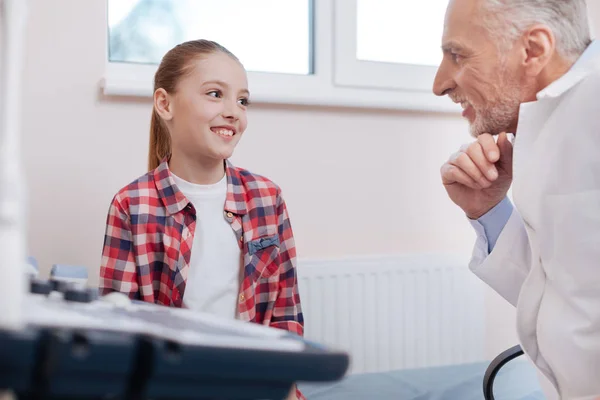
x=457, y=98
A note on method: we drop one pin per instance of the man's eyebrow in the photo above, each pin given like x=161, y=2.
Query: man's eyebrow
x=451, y=46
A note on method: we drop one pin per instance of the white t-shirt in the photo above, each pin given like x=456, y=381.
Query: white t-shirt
x=215, y=266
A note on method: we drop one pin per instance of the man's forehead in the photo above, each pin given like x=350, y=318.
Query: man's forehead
x=462, y=10
x=461, y=23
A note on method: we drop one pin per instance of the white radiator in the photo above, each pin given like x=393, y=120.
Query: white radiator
x=395, y=312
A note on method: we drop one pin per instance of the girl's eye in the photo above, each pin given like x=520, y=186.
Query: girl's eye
x=215, y=93
x=244, y=101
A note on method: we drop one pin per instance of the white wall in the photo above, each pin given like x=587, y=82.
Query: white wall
x=356, y=181
x=594, y=14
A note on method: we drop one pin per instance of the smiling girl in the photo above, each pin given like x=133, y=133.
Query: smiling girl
x=196, y=231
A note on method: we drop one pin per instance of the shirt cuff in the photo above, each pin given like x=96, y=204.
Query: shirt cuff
x=491, y=224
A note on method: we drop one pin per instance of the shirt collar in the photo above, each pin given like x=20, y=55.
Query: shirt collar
x=175, y=201
x=586, y=64
x=236, y=201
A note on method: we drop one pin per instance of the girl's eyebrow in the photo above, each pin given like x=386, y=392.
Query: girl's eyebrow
x=225, y=85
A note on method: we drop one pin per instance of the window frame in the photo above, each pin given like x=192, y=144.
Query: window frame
x=338, y=79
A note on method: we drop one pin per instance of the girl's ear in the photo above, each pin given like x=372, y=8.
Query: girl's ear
x=162, y=104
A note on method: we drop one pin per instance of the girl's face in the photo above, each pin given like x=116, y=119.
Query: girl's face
x=206, y=115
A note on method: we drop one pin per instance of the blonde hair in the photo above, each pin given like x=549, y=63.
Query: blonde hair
x=175, y=64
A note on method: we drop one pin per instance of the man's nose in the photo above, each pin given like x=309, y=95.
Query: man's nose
x=443, y=82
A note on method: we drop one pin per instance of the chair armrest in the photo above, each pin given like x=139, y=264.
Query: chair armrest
x=492, y=370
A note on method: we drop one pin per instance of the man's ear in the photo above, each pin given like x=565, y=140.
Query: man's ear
x=162, y=104
x=539, y=44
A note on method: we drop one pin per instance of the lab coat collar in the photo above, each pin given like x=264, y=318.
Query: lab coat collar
x=586, y=64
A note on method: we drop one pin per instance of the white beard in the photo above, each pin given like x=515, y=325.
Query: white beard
x=500, y=114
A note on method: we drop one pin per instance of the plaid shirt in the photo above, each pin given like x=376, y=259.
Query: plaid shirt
x=148, y=242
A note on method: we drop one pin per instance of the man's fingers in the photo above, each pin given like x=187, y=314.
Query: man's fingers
x=487, y=168
x=464, y=162
x=489, y=146
x=452, y=174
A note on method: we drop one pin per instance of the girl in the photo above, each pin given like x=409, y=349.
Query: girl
x=196, y=231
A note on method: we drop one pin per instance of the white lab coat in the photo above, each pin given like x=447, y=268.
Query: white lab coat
x=546, y=261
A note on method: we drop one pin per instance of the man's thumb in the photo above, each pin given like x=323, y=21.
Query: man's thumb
x=506, y=152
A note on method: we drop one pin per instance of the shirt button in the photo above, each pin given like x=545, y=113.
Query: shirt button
x=229, y=215
x=242, y=297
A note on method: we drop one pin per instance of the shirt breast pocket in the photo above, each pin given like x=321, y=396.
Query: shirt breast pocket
x=262, y=257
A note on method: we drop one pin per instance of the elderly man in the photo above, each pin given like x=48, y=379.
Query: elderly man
x=529, y=68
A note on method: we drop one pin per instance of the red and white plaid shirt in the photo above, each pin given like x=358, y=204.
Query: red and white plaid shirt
x=148, y=242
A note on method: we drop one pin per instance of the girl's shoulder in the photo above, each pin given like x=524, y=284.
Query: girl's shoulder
x=250, y=181
x=142, y=189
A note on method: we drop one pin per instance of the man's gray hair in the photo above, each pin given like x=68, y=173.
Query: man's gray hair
x=506, y=20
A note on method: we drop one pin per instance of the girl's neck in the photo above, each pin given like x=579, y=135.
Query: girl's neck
x=200, y=172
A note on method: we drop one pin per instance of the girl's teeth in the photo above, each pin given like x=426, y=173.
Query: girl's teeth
x=225, y=132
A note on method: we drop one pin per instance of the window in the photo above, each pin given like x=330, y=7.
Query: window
x=266, y=35
x=382, y=27
x=358, y=53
